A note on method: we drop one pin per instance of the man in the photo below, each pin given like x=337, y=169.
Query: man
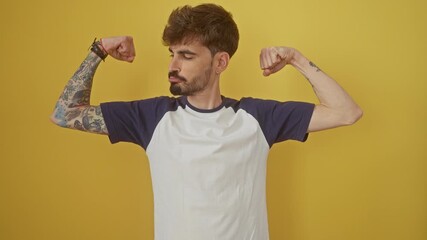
x=207, y=152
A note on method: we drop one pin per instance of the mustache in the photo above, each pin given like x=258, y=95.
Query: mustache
x=176, y=75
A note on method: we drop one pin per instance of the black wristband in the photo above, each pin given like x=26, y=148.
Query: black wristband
x=98, y=50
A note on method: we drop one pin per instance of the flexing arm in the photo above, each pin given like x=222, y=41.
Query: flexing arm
x=73, y=109
x=336, y=107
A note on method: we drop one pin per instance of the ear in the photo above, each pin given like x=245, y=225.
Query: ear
x=221, y=62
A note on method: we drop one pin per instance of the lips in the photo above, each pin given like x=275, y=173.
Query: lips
x=175, y=78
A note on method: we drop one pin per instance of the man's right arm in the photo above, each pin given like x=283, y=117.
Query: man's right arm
x=73, y=109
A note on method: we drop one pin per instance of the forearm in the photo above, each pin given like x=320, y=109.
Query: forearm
x=332, y=97
x=73, y=108
x=78, y=89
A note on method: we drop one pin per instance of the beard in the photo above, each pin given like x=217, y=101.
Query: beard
x=190, y=88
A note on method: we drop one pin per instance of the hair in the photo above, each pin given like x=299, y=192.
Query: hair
x=209, y=24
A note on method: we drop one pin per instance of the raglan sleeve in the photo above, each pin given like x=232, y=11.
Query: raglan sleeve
x=133, y=121
x=281, y=121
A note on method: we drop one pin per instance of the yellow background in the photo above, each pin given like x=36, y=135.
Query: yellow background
x=367, y=181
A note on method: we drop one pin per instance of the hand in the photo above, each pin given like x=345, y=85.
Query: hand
x=272, y=59
x=120, y=48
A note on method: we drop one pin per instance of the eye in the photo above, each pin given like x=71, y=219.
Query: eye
x=187, y=56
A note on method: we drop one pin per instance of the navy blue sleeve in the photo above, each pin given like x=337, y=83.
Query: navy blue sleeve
x=280, y=121
x=135, y=121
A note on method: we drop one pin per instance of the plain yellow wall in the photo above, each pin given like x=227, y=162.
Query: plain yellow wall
x=368, y=181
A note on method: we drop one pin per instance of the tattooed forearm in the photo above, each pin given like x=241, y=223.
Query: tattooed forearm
x=80, y=98
x=78, y=89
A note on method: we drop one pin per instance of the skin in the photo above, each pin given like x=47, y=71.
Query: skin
x=336, y=107
x=195, y=63
x=196, y=73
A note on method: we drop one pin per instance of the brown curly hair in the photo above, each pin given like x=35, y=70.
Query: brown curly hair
x=210, y=24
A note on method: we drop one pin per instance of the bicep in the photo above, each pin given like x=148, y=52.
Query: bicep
x=87, y=119
x=324, y=118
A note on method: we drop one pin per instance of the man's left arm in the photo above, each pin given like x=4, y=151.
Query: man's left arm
x=336, y=107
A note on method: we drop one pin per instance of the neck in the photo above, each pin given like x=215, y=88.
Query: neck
x=209, y=98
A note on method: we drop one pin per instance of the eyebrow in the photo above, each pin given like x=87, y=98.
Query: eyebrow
x=184, y=51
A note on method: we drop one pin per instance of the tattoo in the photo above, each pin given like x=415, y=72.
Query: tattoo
x=80, y=98
x=72, y=114
x=78, y=125
x=88, y=119
x=93, y=125
x=59, y=112
x=314, y=65
x=67, y=92
x=93, y=121
x=98, y=111
x=74, y=102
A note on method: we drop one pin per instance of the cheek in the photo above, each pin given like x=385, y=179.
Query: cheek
x=195, y=69
x=190, y=71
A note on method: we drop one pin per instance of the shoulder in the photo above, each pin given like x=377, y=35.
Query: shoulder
x=244, y=101
x=269, y=104
x=266, y=107
x=162, y=103
x=254, y=104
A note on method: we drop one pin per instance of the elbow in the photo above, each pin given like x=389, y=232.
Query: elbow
x=353, y=116
x=54, y=120
x=58, y=118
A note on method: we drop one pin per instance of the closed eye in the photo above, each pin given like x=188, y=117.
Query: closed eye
x=185, y=54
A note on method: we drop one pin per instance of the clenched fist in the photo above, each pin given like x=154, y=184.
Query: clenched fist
x=272, y=59
x=120, y=48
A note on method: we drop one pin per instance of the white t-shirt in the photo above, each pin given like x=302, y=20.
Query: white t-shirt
x=208, y=167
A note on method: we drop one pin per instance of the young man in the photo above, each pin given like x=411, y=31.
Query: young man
x=207, y=152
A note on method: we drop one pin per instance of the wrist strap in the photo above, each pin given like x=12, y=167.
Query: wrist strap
x=98, y=49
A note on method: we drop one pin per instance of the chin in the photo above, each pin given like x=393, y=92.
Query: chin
x=175, y=89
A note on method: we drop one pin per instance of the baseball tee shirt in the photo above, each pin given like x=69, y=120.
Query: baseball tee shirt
x=208, y=167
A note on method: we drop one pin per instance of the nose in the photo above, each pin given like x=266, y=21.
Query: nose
x=174, y=65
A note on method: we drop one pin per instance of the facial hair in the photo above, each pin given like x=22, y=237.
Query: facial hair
x=190, y=88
